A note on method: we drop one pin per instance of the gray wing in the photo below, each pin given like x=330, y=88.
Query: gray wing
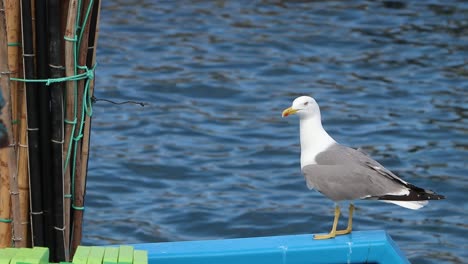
x=343, y=173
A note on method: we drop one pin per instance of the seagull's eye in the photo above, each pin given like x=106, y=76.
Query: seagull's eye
x=306, y=103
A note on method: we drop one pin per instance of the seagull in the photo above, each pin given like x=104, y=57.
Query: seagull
x=342, y=173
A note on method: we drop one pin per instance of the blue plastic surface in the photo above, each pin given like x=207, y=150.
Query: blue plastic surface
x=358, y=247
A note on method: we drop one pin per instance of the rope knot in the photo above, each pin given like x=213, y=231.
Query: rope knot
x=90, y=73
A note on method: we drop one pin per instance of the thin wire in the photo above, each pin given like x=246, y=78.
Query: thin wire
x=94, y=99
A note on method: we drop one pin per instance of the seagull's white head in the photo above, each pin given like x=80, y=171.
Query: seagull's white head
x=304, y=106
x=314, y=139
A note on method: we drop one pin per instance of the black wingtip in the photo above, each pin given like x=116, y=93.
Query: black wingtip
x=415, y=194
x=438, y=197
x=426, y=194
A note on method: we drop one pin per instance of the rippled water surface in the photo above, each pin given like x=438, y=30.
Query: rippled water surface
x=211, y=157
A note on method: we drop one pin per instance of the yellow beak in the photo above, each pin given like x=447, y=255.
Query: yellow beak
x=289, y=111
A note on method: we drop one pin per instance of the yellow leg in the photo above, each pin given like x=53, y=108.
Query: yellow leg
x=332, y=233
x=350, y=222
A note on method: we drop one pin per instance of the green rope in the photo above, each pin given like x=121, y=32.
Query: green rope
x=4, y=220
x=85, y=20
x=88, y=74
x=14, y=44
x=74, y=39
x=73, y=122
x=78, y=138
x=78, y=208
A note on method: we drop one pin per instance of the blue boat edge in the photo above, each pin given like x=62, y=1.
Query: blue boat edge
x=358, y=247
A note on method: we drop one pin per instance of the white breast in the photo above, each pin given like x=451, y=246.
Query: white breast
x=314, y=140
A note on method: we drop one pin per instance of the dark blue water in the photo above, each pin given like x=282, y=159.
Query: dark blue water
x=211, y=157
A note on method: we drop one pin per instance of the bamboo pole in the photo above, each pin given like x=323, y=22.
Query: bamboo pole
x=23, y=161
x=33, y=126
x=70, y=29
x=24, y=237
x=91, y=60
x=93, y=35
x=23, y=177
x=7, y=153
x=19, y=116
x=66, y=201
x=80, y=182
x=40, y=25
x=12, y=13
x=5, y=201
x=56, y=69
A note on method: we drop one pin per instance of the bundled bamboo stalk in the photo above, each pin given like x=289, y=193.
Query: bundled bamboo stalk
x=70, y=30
x=33, y=126
x=50, y=140
x=80, y=181
x=90, y=61
x=41, y=52
x=56, y=70
x=7, y=151
x=12, y=14
x=12, y=10
x=5, y=203
x=64, y=7
x=23, y=177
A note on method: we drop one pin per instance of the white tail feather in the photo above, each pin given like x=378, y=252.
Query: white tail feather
x=414, y=205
